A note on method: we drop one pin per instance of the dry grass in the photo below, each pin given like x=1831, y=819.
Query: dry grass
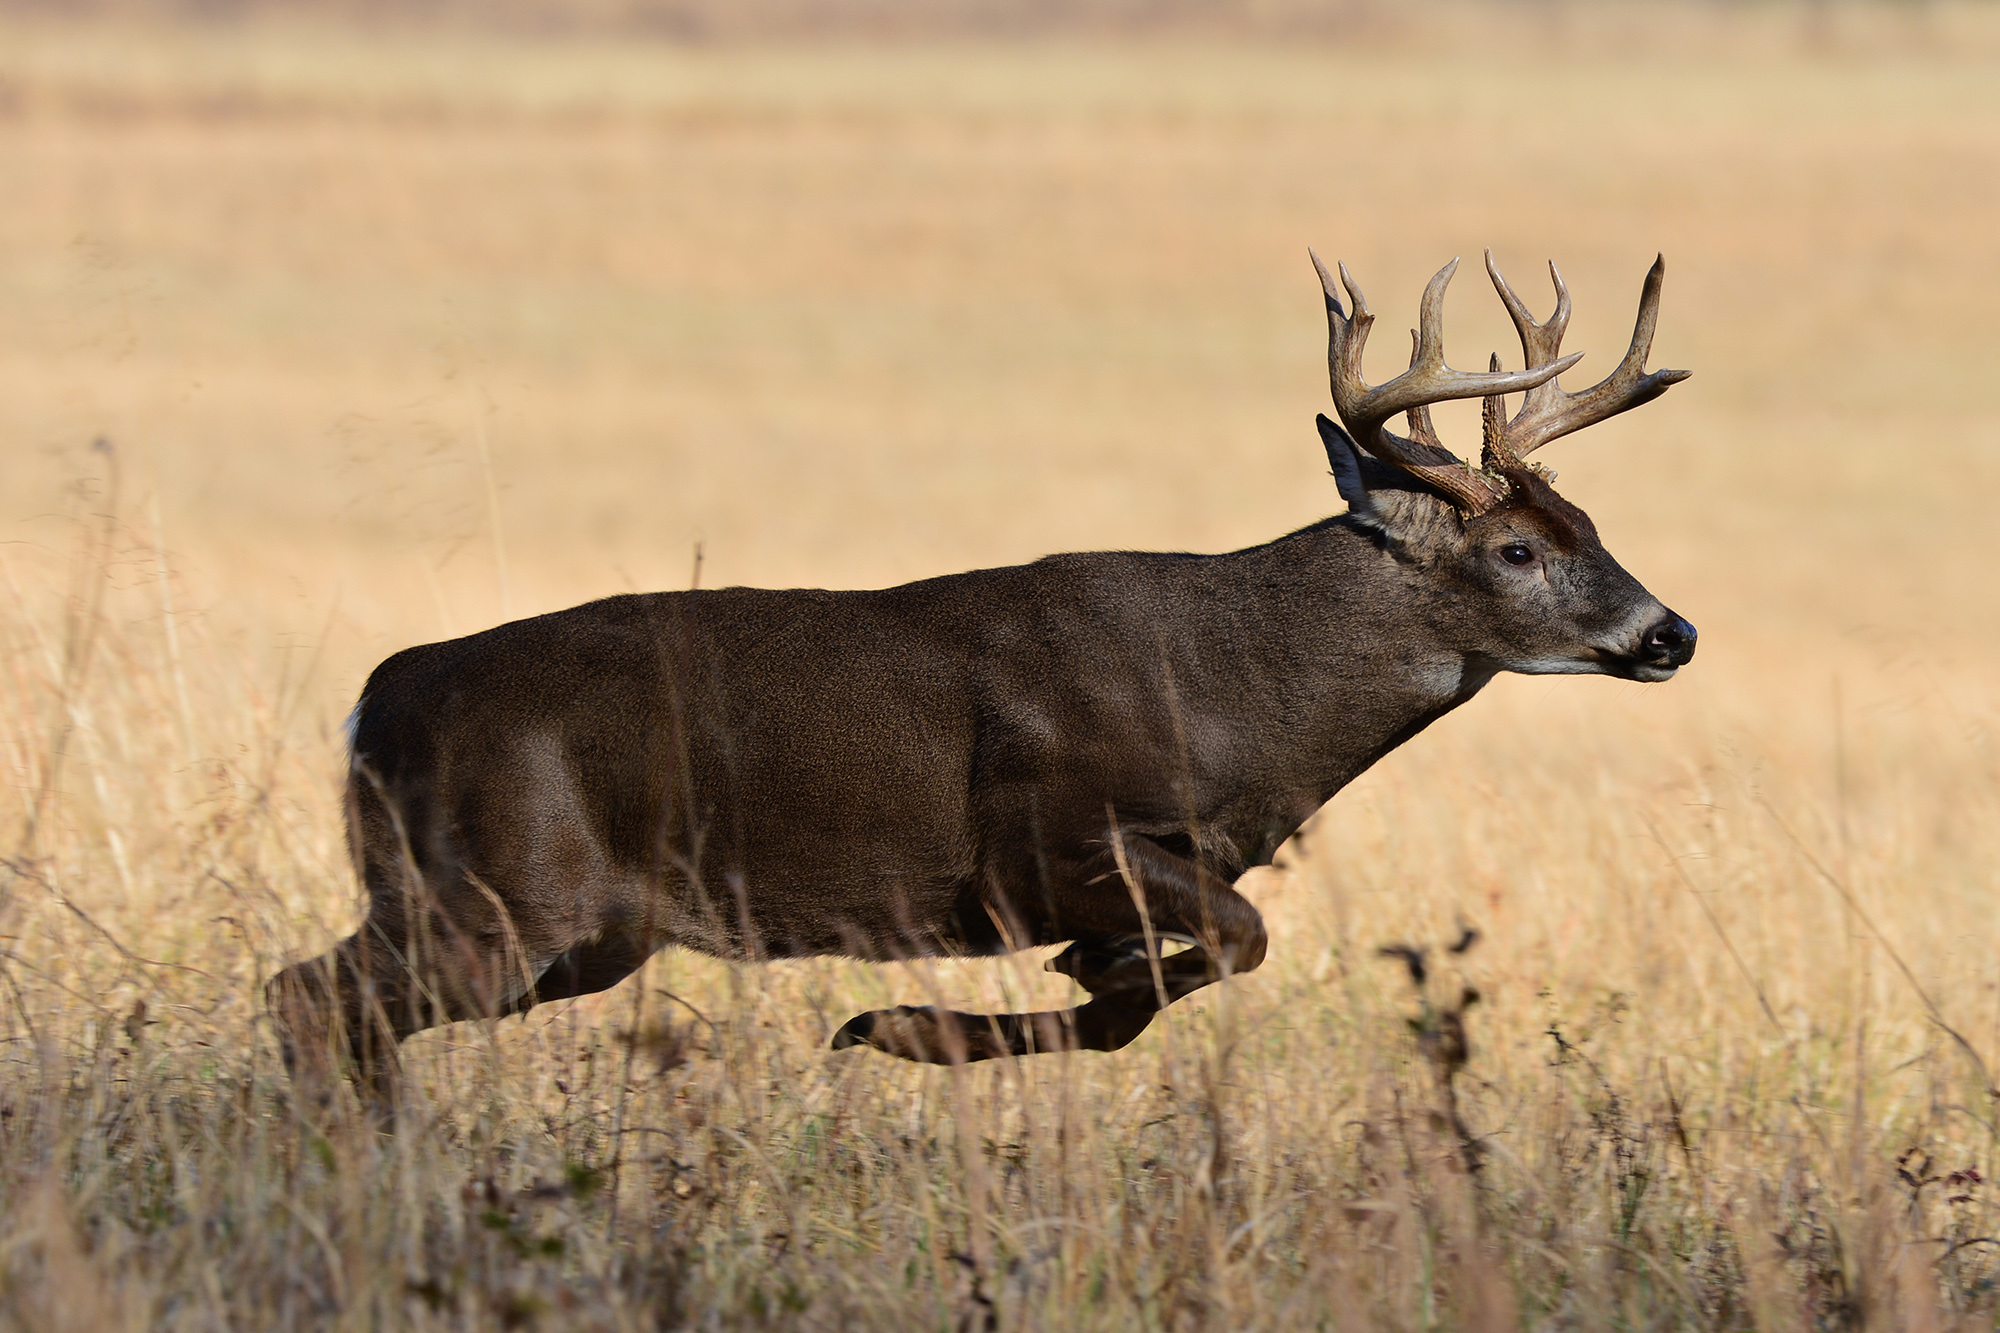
x=394, y=337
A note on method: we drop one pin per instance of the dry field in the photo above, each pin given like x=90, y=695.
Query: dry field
x=389, y=340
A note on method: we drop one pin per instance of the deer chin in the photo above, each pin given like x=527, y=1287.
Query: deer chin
x=1601, y=662
x=1652, y=673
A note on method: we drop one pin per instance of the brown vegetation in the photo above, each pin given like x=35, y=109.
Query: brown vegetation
x=392, y=338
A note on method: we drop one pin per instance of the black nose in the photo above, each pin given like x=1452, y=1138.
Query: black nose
x=1671, y=642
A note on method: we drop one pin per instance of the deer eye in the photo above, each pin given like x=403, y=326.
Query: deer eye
x=1516, y=554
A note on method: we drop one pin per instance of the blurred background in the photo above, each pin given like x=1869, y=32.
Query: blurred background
x=329, y=328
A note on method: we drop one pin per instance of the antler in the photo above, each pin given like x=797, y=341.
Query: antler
x=1547, y=412
x=1428, y=380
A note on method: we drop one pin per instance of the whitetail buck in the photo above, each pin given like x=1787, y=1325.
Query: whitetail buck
x=1087, y=749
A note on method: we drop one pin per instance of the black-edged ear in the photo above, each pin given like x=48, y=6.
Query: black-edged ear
x=1345, y=459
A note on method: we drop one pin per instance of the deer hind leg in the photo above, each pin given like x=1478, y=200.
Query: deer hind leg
x=1127, y=984
x=585, y=969
x=349, y=1010
x=335, y=1015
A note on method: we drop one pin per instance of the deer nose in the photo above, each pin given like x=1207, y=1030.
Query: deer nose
x=1671, y=642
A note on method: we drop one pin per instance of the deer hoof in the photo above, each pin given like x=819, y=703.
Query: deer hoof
x=854, y=1032
x=1082, y=959
x=1105, y=970
x=865, y=1029
x=909, y=1032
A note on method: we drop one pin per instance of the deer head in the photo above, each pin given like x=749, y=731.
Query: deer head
x=1514, y=575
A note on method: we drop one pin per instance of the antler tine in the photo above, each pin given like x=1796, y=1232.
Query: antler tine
x=1421, y=429
x=1365, y=410
x=1548, y=413
x=1430, y=319
x=1493, y=422
x=1325, y=281
x=1354, y=293
x=1539, y=342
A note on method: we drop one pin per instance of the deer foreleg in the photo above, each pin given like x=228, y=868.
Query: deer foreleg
x=929, y=1035
x=1138, y=887
x=1154, y=892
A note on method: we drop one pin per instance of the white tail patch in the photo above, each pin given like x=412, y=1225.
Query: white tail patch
x=353, y=725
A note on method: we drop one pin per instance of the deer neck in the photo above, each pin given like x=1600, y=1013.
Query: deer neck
x=1370, y=664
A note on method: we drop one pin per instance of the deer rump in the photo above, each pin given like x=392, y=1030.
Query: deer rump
x=1087, y=749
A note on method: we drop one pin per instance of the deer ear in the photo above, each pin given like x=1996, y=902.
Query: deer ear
x=1345, y=460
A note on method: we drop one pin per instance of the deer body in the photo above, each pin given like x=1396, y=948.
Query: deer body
x=853, y=756
x=1089, y=748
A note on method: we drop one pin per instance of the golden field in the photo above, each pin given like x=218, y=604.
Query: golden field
x=390, y=338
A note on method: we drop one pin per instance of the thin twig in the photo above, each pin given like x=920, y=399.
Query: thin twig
x=22, y=871
x=1763, y=1002
x=1847, y=896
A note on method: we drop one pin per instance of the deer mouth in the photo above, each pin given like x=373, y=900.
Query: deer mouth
x=1648, y=673
x=1623, y=664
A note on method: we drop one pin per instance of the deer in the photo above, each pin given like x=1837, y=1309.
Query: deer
x=1089, y=750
